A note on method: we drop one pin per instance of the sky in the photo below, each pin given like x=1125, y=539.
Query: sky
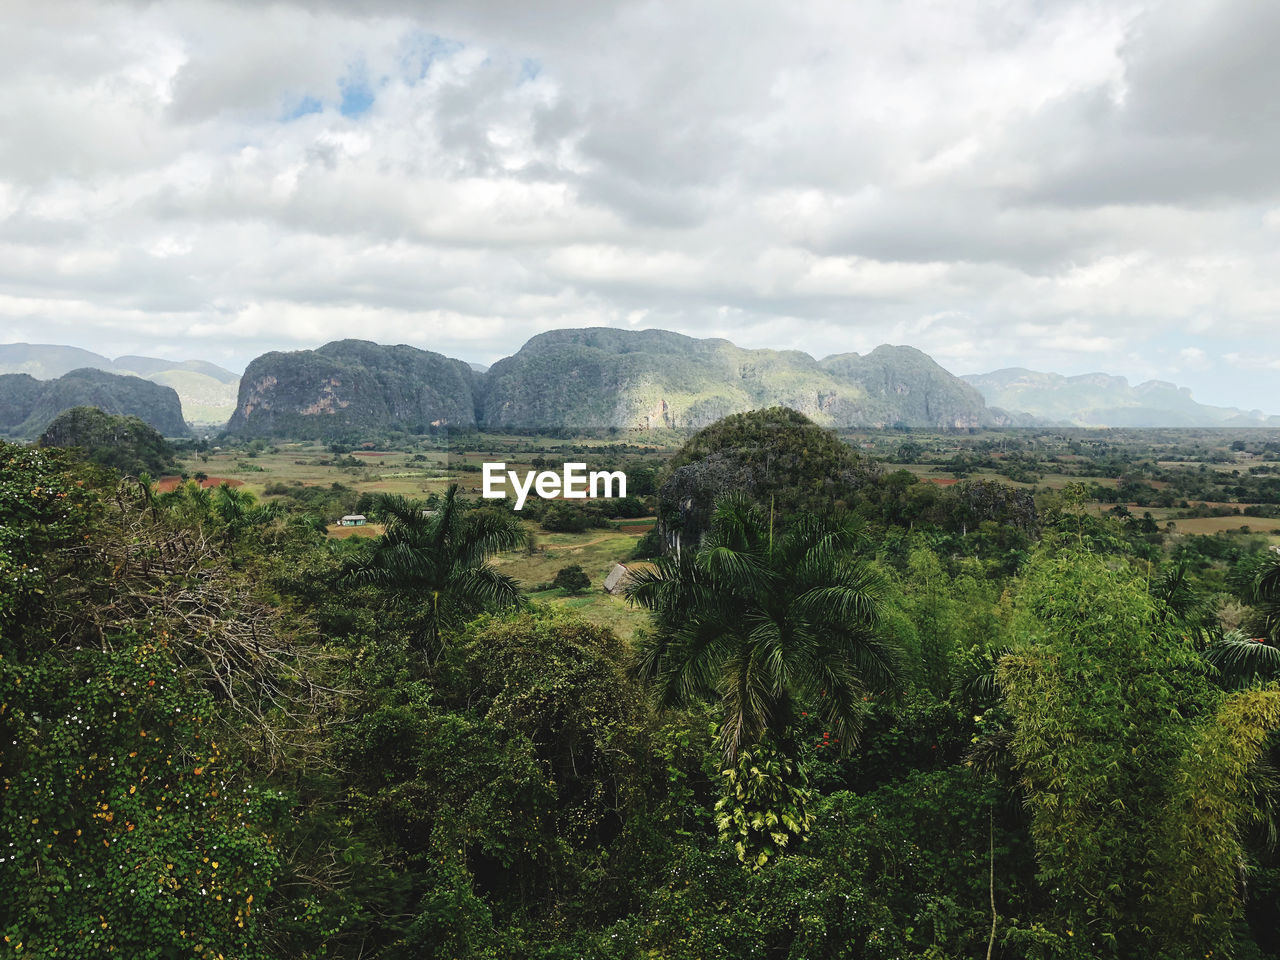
x=1065, y=186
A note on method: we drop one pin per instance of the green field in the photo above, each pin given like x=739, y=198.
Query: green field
x=396, y=472
x=596, y=551
x=430, y=466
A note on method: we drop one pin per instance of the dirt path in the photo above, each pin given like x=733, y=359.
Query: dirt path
x=575, y=546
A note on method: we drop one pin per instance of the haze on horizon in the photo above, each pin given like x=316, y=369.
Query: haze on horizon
x=1072, y=187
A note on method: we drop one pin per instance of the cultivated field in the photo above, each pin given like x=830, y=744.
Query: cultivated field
x=429, y=466
x=421, y=472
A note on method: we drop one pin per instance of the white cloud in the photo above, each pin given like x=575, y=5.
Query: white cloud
x=1079, y=185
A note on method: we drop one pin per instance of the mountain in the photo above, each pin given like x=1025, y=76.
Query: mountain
x=125, y=443
x=349, y=387
x=1099, y=399
x=150, y=366
x=207, y=391
x=46, y=361
x=906, y=385
x=602, y=377
x=28, y=405
x=775, y=456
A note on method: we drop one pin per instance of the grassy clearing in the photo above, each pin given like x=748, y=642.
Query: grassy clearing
x=392, y=472
x=599, y=608
x=337, y=532
x=1210, y=525
x=596, y=551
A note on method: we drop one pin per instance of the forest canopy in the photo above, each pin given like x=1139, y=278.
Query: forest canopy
x=866, y=717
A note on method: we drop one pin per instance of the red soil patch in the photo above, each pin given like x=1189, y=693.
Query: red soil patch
x=635, y=527
x=368, y=530
x=941, y=481
x=170, y=484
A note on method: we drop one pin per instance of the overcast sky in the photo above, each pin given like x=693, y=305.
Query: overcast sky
x=1063, y=186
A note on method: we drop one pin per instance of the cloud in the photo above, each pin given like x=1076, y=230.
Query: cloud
x=1073, y=186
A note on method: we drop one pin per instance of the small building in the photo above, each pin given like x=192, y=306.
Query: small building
x=616, y=580
x=353, y=520
x=620, y=576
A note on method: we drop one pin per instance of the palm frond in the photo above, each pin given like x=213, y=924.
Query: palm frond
x=764, y=617
x=839, y=603
x=1240, y=660
x=484, y=586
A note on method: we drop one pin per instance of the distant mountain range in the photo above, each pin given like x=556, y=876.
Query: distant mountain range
x=207, y=391
x=1101, y=400
x=28, y=405
x=591, y=378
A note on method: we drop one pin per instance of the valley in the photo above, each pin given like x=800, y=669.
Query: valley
x=1181, y=479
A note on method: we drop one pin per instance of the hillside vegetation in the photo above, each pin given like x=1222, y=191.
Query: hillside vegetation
x=122, y=443
x=594, y=379
x=28, y=406
x=889, y=720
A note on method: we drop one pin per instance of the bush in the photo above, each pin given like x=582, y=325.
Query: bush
x=565, y=519
x=572, y=579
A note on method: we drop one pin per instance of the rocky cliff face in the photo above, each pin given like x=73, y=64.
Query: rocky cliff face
x=28, y=405
x=353, y=386
x=653, y=378
x=904, y=385
x=594, y=379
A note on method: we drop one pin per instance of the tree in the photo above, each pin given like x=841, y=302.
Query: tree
x=777, y=456
x=1257, y=582
x=768, y=625
x=1135, y=768
x=572, y=579
x=434, y=564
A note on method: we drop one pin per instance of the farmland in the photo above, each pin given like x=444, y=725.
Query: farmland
x=1134, y=472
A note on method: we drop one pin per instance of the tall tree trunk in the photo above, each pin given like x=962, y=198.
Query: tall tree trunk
x=991, y=878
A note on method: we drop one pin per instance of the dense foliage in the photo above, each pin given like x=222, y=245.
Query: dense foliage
x=126, y=444
x=28, y=406
x=776, y=457
x=870, y=718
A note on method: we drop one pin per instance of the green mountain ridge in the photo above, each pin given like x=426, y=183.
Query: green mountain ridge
x=1103, y=400
x=597, y=378
x=351, y=386
x=603, y=377
x=207, y=391
x=28, y=405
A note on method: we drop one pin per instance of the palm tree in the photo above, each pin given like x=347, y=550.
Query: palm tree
x=1257, y=582
x=1241, y=660
x=240, y=511
x=767, y=624
x=435, y=561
